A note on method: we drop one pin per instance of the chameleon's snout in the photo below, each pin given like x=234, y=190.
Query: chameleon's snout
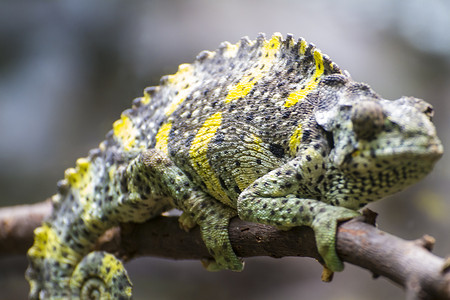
x=409, y=123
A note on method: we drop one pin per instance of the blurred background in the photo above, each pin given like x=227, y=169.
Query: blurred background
x=68, y=69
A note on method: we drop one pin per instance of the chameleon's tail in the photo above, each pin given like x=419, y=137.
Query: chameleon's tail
x=83, y=210
x=100, y=276
x=57, y=271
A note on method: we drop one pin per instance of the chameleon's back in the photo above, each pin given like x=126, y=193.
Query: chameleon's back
x=250, y=103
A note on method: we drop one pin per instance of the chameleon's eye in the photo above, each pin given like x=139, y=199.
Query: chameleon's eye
x=423, y=107
x=368, y=119
x=429, y=112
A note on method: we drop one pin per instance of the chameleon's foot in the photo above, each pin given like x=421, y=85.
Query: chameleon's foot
x=198, y=208
x=100, y=276
x=211, y=265
x=325, y=226
x=186, y=222
x=215, y=234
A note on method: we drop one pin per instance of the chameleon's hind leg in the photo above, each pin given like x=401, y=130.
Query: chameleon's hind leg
x=198, y=208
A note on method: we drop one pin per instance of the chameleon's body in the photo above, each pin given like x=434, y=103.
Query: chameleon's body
x=272, y=131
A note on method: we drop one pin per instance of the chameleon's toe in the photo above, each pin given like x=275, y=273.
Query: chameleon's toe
x=186, y=222
x=325, y=226
x=327, y=274
x=100, y=276
x=220, y=248
x=215, y=235
x=212, y=265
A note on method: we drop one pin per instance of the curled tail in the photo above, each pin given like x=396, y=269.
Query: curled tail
x=91, y=199
x=98, y=275
x=58, y=270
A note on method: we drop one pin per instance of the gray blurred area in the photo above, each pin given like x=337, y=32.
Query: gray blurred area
x=68, y=68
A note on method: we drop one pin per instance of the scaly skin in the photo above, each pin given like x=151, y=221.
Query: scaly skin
x=270, y=130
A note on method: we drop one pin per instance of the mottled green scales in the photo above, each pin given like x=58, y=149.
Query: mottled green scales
x=269, y=130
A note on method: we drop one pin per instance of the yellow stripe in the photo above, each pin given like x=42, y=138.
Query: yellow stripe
x=199, y=160
x=180, y=80
x=125, y=131
x=244, y=176
x=302, y=48
x=162, y=137
x=245, y=85
x=298, y=95
x=230, y=50
x=295, y=140
x=146, y=98
x=173, y=106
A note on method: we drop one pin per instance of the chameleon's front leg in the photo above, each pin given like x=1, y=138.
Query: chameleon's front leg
x=198, y=208
x=280, y=198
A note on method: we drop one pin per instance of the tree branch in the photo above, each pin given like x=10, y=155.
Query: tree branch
x=408, y=263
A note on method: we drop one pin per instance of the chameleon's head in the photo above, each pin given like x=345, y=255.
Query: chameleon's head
x=373, y=136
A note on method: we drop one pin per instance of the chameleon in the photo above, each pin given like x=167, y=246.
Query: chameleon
x=269, y=130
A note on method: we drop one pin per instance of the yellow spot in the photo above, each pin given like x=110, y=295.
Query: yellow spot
x=83, y=165
x=295, y=140
x=302, y=48
x=162, y=137
x=78, y=177
x=125, y=131
x=102, y=146
x=147, y=94
x=356, y=153
x=72, y=177
x=199, y=160
x=231, y=50
x=180, y=80
x=47, y=244
x=245, y=85
x=111, y=264
x=146, y=99
x=291, y=43
x=256, y=146
x=183, y=70
x=298, y=95
x=111, y=172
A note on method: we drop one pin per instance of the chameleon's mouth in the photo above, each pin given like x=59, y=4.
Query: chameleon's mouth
x=423, y=150
x=422, y=153
x=431, y=150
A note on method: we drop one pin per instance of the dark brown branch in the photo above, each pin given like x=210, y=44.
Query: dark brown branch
x=17, y=224
x=408, y=263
